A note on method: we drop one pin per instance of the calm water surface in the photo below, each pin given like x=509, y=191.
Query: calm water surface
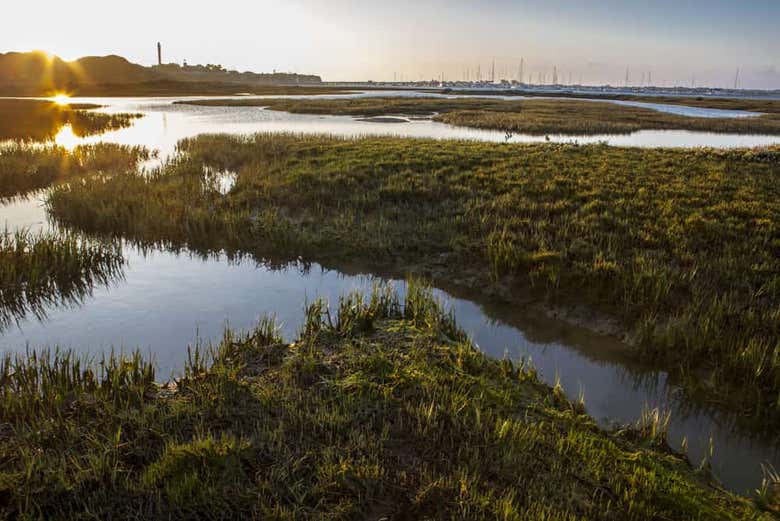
x=164, y=124
x=167, y=300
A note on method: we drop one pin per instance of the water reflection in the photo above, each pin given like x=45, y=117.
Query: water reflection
x=66, y=138
x=164, y=124
x=43, y=119
x=168, y=298
x=41, y=272
x=220, y=181
x=26, y=211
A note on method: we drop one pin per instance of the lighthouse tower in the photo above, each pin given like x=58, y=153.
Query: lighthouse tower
x=159, y=53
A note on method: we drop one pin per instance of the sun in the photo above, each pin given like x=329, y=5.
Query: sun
x=61, y=99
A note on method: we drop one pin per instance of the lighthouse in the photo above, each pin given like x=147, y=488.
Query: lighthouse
x=159, y=53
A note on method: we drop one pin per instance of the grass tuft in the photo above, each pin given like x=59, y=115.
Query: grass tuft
x=26, y=167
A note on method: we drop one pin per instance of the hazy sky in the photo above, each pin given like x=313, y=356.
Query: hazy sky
x=676, y=41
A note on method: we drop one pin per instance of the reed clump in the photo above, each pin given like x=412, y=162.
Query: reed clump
x=381, y=408
x=26, y=167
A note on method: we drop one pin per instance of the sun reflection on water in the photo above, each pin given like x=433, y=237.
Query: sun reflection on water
x=66, y=138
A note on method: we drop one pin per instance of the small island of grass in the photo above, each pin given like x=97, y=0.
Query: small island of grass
x=533, y=117
x=677, y=249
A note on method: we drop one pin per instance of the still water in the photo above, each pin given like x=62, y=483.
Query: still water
x=165, y=123
x=167, y=300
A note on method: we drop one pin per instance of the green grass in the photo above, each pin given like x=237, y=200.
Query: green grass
x=39, y=120
x=380, y=409
x=534, y=117
x=768, y=106
x=681, y=248
x=38, y=271
x=28, y=167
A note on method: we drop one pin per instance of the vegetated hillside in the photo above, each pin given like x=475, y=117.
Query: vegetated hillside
x=40, y=74
x=217, y=73
x=111, y=69
x=37, y=73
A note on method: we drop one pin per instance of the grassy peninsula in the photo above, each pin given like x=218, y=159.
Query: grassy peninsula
x=535, y=117
x=26, y=167
x=763, y=105
x=381, y=409
x=678, y=250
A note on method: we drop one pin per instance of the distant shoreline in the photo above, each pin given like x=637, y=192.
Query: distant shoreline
x=171, y=89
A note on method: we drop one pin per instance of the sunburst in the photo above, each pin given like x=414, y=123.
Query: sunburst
x=61, y=99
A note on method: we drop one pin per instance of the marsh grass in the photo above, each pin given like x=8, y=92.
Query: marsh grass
x=41, y=384
x=381, y=408
x=767, y=105
x=534, y=117
x=26, y=167
x=681, y=247
x=40, y=120
x=39, y=271
x=589, y=118
x=768, y=494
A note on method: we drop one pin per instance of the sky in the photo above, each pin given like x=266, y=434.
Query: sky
x=671, y=42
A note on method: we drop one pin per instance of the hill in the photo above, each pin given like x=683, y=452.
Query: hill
x=38, y=73
x=217, y=73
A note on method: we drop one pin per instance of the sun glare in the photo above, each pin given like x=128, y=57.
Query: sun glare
x=61, y=99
